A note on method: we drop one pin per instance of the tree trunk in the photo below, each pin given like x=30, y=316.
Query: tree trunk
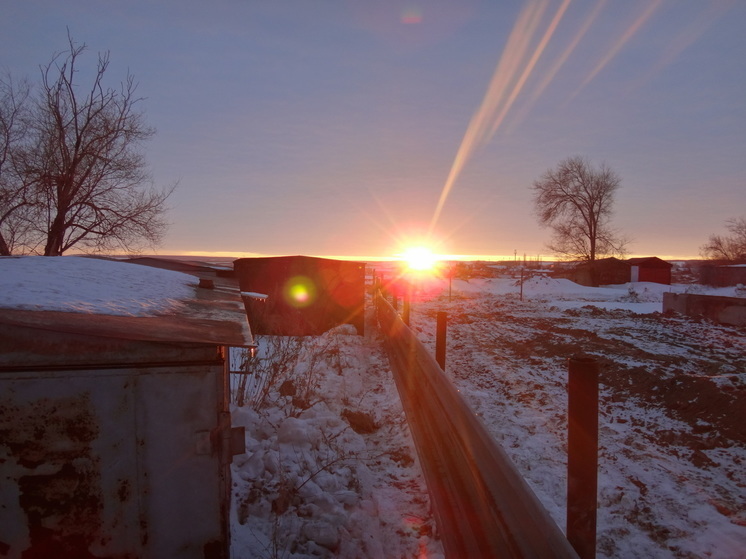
x=4, y=248
x=55, y=237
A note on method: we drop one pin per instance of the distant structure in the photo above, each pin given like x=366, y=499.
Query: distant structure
x=301, y=295
x=723, y=276
x=651, y=269
x=604, y=271
x=725, y=310
x=613, y=271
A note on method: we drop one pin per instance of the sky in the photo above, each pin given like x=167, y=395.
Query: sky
x=359, y=128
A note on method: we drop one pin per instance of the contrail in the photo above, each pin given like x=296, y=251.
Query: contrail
x=558, y=63
x=513, y=71
x=634, y=28
x=530, y=66
x=481, y=126
x=688, y=36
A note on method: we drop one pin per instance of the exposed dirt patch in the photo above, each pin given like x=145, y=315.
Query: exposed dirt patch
x=672, y=404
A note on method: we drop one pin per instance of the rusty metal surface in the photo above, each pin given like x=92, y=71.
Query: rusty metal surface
x=120, y=465
x=113, y=430
x=28, y=348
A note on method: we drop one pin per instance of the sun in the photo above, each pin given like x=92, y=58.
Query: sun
x=420, y=258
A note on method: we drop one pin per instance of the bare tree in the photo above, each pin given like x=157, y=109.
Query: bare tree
x=83, y=165
x=575, y=200
x=14, y=199
x=730, y=248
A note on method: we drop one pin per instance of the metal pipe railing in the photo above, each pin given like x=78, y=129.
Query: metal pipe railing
x=483, y=506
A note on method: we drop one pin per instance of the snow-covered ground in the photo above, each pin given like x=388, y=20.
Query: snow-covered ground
x=672, y=442
x=331, y=470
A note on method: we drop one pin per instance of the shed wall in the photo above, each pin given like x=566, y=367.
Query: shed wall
x=655, y=275
x=306, y=295
x=116, y=462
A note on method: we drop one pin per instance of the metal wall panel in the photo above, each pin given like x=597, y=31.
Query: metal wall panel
x=117, y=462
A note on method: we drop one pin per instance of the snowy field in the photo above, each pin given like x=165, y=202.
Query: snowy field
x=331, y=470
x=672, y=425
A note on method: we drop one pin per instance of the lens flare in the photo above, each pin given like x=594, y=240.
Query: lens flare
x=420, y=258
x=411, y=15
x=300, y=292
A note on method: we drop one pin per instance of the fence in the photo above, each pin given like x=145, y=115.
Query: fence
x=483, y=507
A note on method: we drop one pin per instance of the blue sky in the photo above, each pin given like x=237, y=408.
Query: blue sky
x=331, y=127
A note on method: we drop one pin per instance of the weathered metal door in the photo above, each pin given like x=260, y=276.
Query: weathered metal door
x=106, y=461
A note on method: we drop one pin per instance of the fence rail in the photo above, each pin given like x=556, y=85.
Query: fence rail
x=483, y=506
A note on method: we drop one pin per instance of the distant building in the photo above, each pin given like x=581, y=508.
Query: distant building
x=604, y=271
x=723, y=276
x=613, y=271
x=651, y=269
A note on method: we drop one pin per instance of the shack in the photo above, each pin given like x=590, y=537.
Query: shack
x=651, y=269
x=301, y=295
x=115, y=432
x=723, y=275
x=604, y=271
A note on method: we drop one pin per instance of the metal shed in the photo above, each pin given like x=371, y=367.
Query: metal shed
x=723, y=276
x=650, y=268
x=305, y=295
x=604, y=271
x=115, y=437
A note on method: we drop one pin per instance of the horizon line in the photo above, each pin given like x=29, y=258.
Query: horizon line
x=395, y=258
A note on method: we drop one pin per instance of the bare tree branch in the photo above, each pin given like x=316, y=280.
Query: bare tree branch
x=575, y=200
x=730, y=248
x=85, y=177
x=15, y=199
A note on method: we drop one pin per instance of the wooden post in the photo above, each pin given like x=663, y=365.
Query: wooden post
x=440, y=339
x=582, y=455
x=405, y=310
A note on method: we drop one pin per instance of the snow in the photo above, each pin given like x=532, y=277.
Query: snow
x=254, y=295
x=331, y=469
x=667, y=487
x=309, y=485
x=90, y=285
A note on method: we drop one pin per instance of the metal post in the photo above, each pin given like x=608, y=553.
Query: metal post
x=521, y=284
x=582, y=455
x=440, y=338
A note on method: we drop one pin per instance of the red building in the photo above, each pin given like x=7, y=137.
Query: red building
x=650, y=268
